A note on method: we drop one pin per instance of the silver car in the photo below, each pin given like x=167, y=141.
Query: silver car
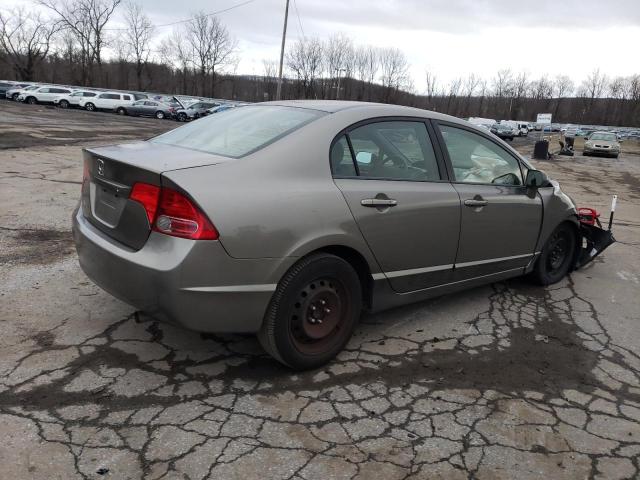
x=289, y=219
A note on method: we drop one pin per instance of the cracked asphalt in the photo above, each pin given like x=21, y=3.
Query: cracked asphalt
x=510, y=380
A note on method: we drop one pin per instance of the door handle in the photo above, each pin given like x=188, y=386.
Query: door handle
x=378, y=202
x=475, y=203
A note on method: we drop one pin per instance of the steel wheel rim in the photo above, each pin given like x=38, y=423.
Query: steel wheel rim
x=558, y=252
x=320, y=314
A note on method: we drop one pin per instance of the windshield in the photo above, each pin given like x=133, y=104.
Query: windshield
x=239, y=131
x=607, y=137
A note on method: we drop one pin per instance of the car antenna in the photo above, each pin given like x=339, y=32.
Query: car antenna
x=614, y=200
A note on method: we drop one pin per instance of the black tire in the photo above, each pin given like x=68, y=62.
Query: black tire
x=90, y=107
x=121, y=111
x=31, y=100
x=15, y=96
x=64, y=104
x=585, y=154
x=313, y=312
x=182, y=117
x=160, y=115
x=557, y=255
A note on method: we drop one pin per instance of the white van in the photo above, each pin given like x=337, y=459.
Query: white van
x=106, y=101
x=521, y=127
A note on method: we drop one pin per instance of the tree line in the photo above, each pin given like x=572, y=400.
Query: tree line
x=199, y=56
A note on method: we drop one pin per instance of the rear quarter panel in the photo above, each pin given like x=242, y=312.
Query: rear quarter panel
x=280, y=201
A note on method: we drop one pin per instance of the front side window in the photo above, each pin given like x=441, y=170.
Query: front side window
x=476, y=159
x=239, y=131
x=43, y=90
x=76, y=94
x=394, y=150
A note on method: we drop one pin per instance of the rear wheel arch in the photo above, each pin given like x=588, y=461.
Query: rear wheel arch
x=359, y=264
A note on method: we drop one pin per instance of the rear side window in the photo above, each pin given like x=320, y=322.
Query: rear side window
x=476, y=159
x=394, y=150
x=88, y=94
x=126, y=97
x=239, y=131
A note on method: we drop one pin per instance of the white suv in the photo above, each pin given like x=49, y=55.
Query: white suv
x=106, y=101
x=73, y=99
x=44, y=94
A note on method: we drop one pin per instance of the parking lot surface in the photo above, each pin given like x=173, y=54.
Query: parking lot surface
x=505, y=381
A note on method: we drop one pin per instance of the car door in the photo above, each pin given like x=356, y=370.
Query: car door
x=501, y=218
x=42, y=94
x=396, y=188
x=137, y=108
x=150, y=108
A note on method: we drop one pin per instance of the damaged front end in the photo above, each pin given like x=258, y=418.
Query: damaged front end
x=593, y=238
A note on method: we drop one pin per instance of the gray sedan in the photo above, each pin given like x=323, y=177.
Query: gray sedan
x=289, y=219
x=147, y=108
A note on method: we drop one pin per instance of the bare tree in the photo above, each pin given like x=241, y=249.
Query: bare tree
x=430, y=79
x=394, y=71
x=367, y=65
x=305, y=59
x=176, y=51
x=212, y=46
x=470, y=85
x=87, y=20
x=502, y=83
x=338, y=51
x=26, y=39
x=562, y=86
x=138, y=36
x=594, y=85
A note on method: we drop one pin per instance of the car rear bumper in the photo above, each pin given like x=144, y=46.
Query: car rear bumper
x=195, y=284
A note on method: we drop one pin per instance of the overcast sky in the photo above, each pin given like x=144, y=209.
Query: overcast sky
x=450, y=37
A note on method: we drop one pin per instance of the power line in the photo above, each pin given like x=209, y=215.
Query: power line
x=188, y=19
x=295, y=6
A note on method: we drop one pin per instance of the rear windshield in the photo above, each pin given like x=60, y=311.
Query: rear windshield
x=239, y=131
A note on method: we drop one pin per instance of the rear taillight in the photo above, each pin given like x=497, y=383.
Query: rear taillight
x=148, y=196
x=172, y=213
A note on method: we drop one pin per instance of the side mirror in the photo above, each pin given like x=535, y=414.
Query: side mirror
x=364, y=157
x=536, y=179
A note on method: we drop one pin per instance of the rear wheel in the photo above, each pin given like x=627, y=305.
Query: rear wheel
x=64, y=104
x=90, y=106
x=556, y=257
x=182, y=117
x=15, y=96
x=121, y=111
x=160, y=114
x=313, y=312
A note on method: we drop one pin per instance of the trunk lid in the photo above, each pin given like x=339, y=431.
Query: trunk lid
x=109, y=175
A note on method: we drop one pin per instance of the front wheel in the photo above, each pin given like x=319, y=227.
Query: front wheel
x=556, y=257
x=64, y=104
x=90, y=107
x=313, y=312
x=32, y=100
x=15, y=96
x=121, y=111
x=182, y=117
x=160, y=115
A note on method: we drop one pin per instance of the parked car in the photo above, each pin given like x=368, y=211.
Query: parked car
x=195, y=110
x=14, y=92
x=106, y=101
x=73, y=99
x=602, y=143
x=42, y=94
x=4, y=86
x=147, y=108
x=506, y=132
x=222, y=225
x=574, y=132
x=222, y=108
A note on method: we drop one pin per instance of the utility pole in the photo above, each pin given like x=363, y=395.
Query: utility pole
x=339, y=71
x=284, y=36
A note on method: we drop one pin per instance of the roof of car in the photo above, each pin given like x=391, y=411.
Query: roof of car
x=329, y=106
